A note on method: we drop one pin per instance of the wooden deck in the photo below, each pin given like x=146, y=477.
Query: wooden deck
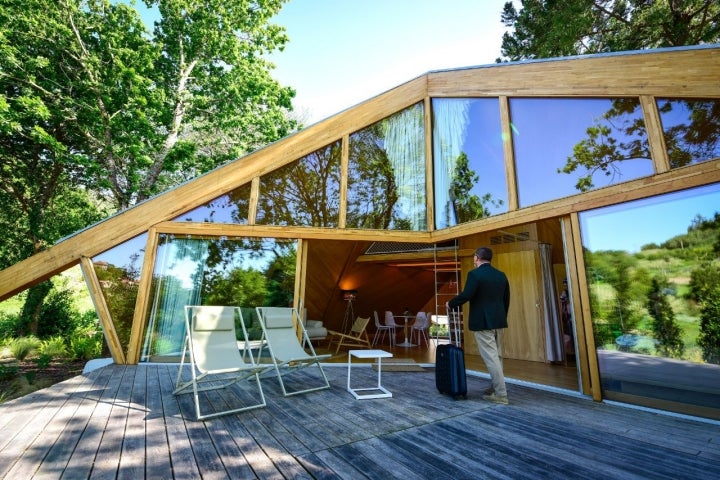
x=124, y=422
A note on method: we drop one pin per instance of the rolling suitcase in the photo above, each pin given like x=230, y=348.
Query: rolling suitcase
x=450, y=376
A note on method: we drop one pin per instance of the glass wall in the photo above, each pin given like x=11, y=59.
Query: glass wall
x=214, y=271
x=654, y=289
x=232, y=207
x=386, y=174
x=691, y=129
x=469, y=168
x=306, y=192
x=118, y=271
x=567, y=146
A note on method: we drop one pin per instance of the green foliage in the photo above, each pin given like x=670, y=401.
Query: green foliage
x=22, y=347
x=97, y=111
x=10, y=325
x=43, y=360
x=252, y=324
x=468, y=206
x=237, y=287
x=8, y=371
x=86, y=344
x=665, y=328
x=280, y=276
x=120, y=291
x=574, y=27
x=704, y=280
x=706, y=290
x=54, y=347
x=58, y=314
x=673, y=285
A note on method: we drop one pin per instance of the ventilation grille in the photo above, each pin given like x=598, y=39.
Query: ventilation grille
x=379, y=248
x=510, y=238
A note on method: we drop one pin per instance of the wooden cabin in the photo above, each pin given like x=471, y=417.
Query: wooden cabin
x=390, y=198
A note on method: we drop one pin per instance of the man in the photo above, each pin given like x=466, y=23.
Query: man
x=488, y=291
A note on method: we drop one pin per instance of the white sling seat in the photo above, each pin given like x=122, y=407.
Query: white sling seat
x=214, y=358
x=284, y=336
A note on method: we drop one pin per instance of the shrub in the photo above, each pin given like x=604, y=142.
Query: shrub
x=58, y=314
x=10, y=326
x=54, y=347
x=24, y=346
x=43, y=361
x=8, y=370
x=86, y=344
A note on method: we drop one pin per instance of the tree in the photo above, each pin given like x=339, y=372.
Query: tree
x=468, y=206
x=709, y=338
x=665, y=329
x=705, y=289
x=96, y=111
x=133, y=113
x=557, y=28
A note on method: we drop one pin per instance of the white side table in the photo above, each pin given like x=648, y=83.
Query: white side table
x=379, y=354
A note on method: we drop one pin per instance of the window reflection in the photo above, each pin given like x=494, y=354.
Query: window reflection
x=386, y=174
x=305, y=192
x=567, y=146
x=655, y=295
x=469, y=167
x=118, y=271
x=214, y=271
x=691, y=129
x=232, y=207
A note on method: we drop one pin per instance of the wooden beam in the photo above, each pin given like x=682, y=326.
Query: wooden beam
x=656, y=140
x=508, y=154
x=676, y=73
x=101, y=308
x=581, y=303
x=143, y=298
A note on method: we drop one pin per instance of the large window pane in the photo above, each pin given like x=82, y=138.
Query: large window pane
x=691, y=129
x=653, y=274
x=469, y=167
x=232, y=207
x=567, y=146
x=118, y=271
x=305, y=192
x=214, y=271
x=386, y=174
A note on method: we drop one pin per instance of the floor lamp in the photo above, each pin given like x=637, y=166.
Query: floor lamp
x=349, y=296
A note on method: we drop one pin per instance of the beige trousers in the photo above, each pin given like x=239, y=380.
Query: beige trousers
x=489, y=344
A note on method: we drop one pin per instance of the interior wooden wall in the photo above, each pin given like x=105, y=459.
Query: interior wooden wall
x=331, y=268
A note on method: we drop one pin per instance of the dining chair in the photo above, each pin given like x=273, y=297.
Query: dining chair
x=382, y=329
x=419, y=329
x=390, y=321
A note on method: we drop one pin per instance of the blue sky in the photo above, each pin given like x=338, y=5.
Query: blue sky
x=652, y=220
x=344, y=52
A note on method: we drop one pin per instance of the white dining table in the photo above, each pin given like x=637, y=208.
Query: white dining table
x=405, y=319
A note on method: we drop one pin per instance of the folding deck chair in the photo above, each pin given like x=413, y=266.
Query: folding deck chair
x=215, y=359
x=284, y=336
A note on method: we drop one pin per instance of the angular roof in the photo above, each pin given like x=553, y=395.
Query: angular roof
x=679, y=72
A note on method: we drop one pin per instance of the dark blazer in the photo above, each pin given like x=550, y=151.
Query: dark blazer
x=488, y=291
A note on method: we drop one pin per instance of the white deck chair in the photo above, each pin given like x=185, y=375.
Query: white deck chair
x=284, y=336
x=215, y=360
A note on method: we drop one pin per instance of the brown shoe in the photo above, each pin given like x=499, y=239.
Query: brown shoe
x=489, y=391
x=496, y=399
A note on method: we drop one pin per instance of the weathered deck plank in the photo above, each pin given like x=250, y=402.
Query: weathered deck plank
x=124, y=422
